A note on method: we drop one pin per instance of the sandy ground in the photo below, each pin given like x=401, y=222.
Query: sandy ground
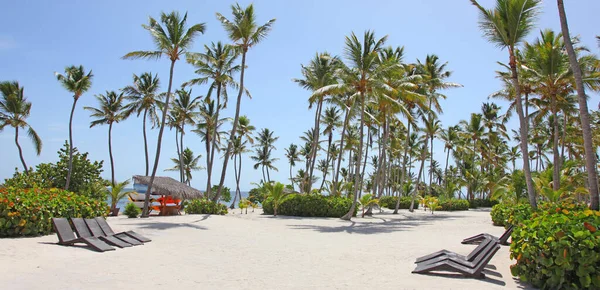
x=256, y=251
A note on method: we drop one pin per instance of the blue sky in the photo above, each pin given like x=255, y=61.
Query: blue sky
x=38, y=38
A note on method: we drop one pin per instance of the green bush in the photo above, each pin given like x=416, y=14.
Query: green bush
x=255, y=195
x=205, y=206
x=558, y=248
x=389, y=202
x=453, y=204
x=478, y=202
x=310, y=205
x=28, y=212
x=505, y=214
x=132, y=211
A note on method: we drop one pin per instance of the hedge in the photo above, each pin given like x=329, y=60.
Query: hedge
x=390, y=202
x=28, y=212
x=311, y=205
x=453, y=205
x=204, y=206
x=558, y=248
x=505, y=214
x=478, y=202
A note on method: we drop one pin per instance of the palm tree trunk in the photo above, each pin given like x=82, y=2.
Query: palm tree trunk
x=237, y=186
x=181, y=151
x=446, y=167
x=291, y=177
x=145, y=140
x=207, y=145
x=590, y=153
x=430, y=162
x=112, y=162
x=329, y=141
x=357, y=178
x=233, y=127
x=339, y=160
x=20, y=150
x=146, y=212
x=414, y=195
x=523, y=130
x=316, y=134
x=557, y=166
x=263, y=173
x=564, y=136
x=235, y=172
x=362, y=173
x=75, y=99
x=268, y=176
x=211, y=157
x=403, y=173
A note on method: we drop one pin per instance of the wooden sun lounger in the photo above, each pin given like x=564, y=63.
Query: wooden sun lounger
x=450, y=265
x=445, y=253
x=83, y=231
x=66, y=236
x=502, y=240
x=109, y=232
x=119, y=240
x=462, y=260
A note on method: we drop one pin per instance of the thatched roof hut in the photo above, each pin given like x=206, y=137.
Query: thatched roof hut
x=169, y=186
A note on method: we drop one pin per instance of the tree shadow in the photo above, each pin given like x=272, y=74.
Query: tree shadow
x=77, y=246
x=366, y=226
x=166, y=226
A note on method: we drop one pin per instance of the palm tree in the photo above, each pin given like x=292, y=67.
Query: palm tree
x=116, y=193
x=450, y=138
x=143, y=97
x=292, y=155
x=331, y=119
x=208, y=126
x=190, y=163
x=217, y=64
x=14, y=110
x=590, y=153
x=276, y=193
x=507, y=25
x=77, y=82
x=184, y=108
x=263, y=159
x=318, y=74
x=367, y=201
x=173, y=40
x=239, y=148
x=111, y=110
x=245, y=34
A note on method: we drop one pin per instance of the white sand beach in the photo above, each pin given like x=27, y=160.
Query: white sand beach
x=256, y=251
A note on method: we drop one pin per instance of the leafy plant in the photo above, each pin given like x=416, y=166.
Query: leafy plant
x=453, y=204
x=132, y=211
x=116, y=194
x=205, y=206
x=506, y=214
x=28, y=212
x=243, y=204
x=275, y=193
x=389, y=202
x=431, y=202
x=311, y=205
x=558, y=248
x=367, y=200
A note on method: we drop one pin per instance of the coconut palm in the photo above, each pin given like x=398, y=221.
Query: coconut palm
x=331, y=119
x=367, y=201
x=276, y=193
x=116, y=193
x=507, y=25
x=590, y=153
x=172, y=38
x=265, y=161
x=292, y=155
x=14, y=110
x=208, y=128
x=217, y=63
x=77, y=82
x=239, y=148
x=184, y=108
x=190, y=163
x=320, y=72
x=111, y=110
x=245, y=33
x=143, y=98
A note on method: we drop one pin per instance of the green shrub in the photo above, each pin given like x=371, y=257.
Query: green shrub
x=132, y=211
x=558, y=248
x=205, y=206
x=453, y=204
x=478, y=202
x=389, y=202
x=255, y=195
x=28, y=212
x=311, y=205
x=505, y=214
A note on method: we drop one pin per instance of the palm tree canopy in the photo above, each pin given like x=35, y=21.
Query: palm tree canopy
x=117, y=192
x=184, y=107
x=143, y=95
x=14, y=110
x=75, y=80
x=112, y=109
x=242, y=29
x=292, y=154
x=172, y=40
x=509, y=22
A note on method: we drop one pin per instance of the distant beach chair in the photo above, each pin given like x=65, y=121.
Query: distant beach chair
x=66, y=236
x=445, y=253
x=502, y=240
x=125, y=240
x=454, y=263
x=109, y=232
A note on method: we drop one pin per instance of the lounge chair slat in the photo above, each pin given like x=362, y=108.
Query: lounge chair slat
x=452, y=266
x=462, y=260
x=97, y=232
x=108, y=231
x=67, y=237
x=469, y=257
x=503, y=239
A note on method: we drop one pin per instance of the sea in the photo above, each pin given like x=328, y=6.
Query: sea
x=123, y=202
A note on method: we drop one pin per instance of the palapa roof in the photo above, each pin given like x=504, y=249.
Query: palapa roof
x=168, y=186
